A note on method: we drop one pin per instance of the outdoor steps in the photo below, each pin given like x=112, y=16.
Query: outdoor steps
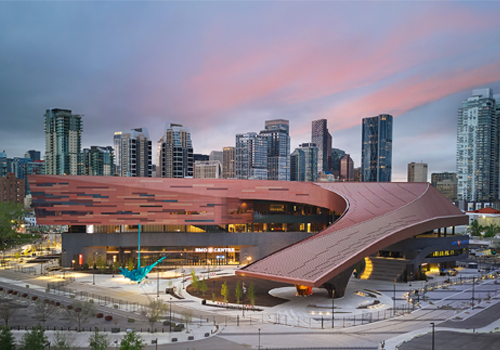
x=387, y=269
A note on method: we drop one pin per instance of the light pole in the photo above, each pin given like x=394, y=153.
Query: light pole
x=333, y=308
x=63, y=253
x=93, y=270
x=473, y=283
x=432, y=323
x=259, y=340
x=158, y=283
x=170, y=325
x=183, y=277
x=394, y=300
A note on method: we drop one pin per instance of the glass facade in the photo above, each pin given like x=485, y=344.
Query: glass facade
x=323, y=140
x=251, y=156
x=376, y=153
x=304, y=163
x=278, y=149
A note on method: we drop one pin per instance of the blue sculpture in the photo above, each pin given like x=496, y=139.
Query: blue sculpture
x=138, y=274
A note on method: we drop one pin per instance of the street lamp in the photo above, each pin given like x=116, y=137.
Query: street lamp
x=333, y=308
x=158, y=282
x=432, y=323
x=259, y=340
x=394, y=300
x=93, y=270
x=170, y=325
x=63, y=253
x=473, y=283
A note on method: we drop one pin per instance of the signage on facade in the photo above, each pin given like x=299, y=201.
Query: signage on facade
x=214, y=250
x=462, y=242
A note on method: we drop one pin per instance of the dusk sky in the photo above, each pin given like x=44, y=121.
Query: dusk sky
x=222, y=68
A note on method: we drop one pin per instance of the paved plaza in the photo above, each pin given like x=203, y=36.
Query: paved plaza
x=363, y=318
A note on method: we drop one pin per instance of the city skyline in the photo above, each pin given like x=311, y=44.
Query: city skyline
x=225, y=68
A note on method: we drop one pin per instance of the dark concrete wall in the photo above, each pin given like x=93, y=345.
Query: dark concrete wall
x=255, y=244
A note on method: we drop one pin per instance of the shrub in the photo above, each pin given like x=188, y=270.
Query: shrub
x=9, y=291
x=69, y=307
x=99, y=315
x=85, y=266
x=130, y=320
x=58, y=303
x=15, y=292
x=34, y=297
x=25, y=295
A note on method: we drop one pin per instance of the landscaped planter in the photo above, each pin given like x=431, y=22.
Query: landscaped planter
x=131, y=320
x=115, y=330
x=69, y=307
x=58, y=303
x=25, y=295
x=78, y=309
x=34, y=297
x=9, y=291
x=108, y=318
x=99, y=315
x=15, y=292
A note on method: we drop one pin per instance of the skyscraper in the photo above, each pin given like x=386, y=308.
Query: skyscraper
x=216, y=155
x=211, y=169
x=323, y=140
x=99, y=161
x=446, y=184
x=133, y=153
x=478, y=147
x=346, y=168
x=278, y=149
x=62, y=142
x=417, y=172
x=228, y=162
x=376, y=149
x=251, y=156
x=304, y=163
x=337, y=155
x=32, y=154
x=175, y=153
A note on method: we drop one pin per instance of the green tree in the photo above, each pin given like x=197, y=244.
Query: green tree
x=101, y=264
x=238, y=292
x=195, y=281
x=60, y=342
x=98, y=341
x=213, y=297
x=10, y=215
x=132, y=341
x=187, y=316
x=34, y=339
x=130, y=264
x=251, y=294
x=474, y=229
x=224, y=291
x=203, y=286
x=7, y=340
x=491, y=230
x=116, y=265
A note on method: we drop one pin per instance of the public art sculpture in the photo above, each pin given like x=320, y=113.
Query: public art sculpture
x=138, y=274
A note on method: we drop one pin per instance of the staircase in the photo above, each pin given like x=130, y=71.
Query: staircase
x=383, y=269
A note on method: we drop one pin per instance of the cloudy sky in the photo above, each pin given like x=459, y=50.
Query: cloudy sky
x=222, y=68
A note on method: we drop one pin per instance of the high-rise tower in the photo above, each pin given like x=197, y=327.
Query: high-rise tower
x=63, y=142
x=417, y=172
x=228, y=162
x=376, y=149
x=478, y=147
x=175, y=153
x=278, y=149
x=304, y=163
x=251, y=156
x=133, y=153
x=323, y=140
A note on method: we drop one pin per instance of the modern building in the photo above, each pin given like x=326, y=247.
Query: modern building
x=323, y=140
x=304, y=163
x=216, y=155
x=376, y=149
x=63, y=139
x=33, y=155
x=337, y=155
x=229, y=162
x=278, y=149
x=346, y=168
x=175, y=157
x=11, y=189
x=133, y=153
x=417, y=172
x=357, y=174
x=478, y=148
x=251, y=156
x=99, y=161
x=446, y=184
x=5, y=164
x=211, y=169
x=201, y=157
x=301, y=233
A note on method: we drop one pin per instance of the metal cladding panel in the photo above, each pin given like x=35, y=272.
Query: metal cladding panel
x=95, y=200
x=379, y=214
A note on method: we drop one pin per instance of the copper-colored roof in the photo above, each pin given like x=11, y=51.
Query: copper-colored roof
x=486, y=211
x=378, y=215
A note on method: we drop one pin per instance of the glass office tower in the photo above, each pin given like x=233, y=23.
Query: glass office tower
x=376, y=152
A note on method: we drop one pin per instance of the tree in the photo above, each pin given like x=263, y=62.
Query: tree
x=239, y=292
x=474, y=229
x=98, y=341
x=132, y=341
x=224, y=291
x=187, y=316
x=10, y=215
x=43, y=310
x=213, y=297
x=203, y=286
x=195, y=281
x=491, y=230
x=7, y=340
x=6, y=311
x=101, y=264
x=251, y=293
x=60, y=342
x=34, y=339
x=116, y=265
x=153, y=312
x=130, y=264
x=81, y=313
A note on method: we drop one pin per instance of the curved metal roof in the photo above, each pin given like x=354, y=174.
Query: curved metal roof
x=377, y=215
